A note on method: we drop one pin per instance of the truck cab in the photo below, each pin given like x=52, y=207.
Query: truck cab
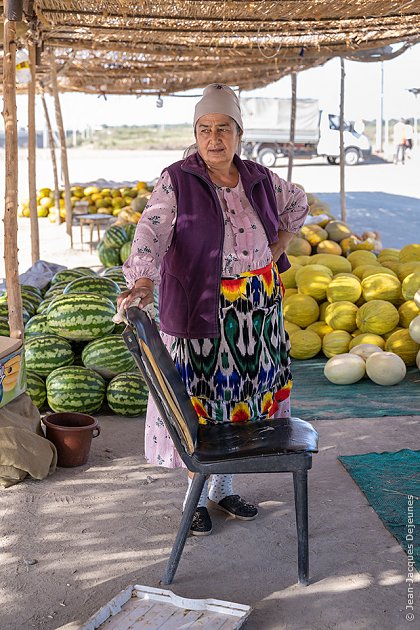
x=356, y=145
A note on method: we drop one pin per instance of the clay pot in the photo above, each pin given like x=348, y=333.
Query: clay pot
x=72, y=434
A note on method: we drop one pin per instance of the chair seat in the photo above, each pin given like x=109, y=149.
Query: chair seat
x=224, y=441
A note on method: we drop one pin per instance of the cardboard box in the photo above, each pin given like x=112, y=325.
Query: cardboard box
x=12, y=369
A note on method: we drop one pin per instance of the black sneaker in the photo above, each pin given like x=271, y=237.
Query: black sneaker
x=236, y=507
x=201, y=524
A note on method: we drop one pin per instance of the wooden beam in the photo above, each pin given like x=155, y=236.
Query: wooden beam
x=32, y=157
x=63, y=148
x=291, y=150
x=51, y=142
x=342, y=152
x=14, y=299
x=13, y=11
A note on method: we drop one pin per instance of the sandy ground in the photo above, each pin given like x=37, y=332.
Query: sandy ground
x=95, y=529
x=98, y=528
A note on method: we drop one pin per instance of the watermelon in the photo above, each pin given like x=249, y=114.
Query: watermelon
x=81, y=316
x=125, y=251
x=31, y=297
x=29, y=303
x=109, y=256
x=130, y=230
x=115, y=237
x=66, y=275
x=37, y=325
x=108, y=356
x=4, y=326
x=110, y=271
x=30, y=289
x=127, y=394
x=98, y=286
x=35, y=388
x=4, y=312
x=75, y=389
x=86, y=271
x=56, y=289
x=44, y=353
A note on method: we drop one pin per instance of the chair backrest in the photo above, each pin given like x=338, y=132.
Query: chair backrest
x=163, y=379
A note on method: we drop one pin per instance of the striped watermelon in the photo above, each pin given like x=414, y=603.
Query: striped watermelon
x=35, y=388
x=37, y=325
x=86, y=271
x=98, y=286
x=28, y=288
x=32, y=297
x=4, y=326
x=4, y=312
x=117, y=269
x=127, y=394
x=115, y=237
x=108, y=356
x=81, y=316
x=66, y=275
x=125, y=251
x=45, y=353
x=75, y=389
x=130, y=230
x=29, y=302
x=109, y=256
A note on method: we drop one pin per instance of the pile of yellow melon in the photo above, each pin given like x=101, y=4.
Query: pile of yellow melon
x=337, y=300
x=126, y=203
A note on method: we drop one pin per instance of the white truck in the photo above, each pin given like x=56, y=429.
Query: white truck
x=267, y=132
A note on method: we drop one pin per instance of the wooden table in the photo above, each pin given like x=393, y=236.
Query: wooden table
x=98, y=219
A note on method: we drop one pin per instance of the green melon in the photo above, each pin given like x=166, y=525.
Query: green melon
x=44, y=353
x=75, y=389
x=35, y=388
x=81, y=316
x=115, y=237
x=108, y=356
x=37, y=325
x=99, y=286
x=127, y=394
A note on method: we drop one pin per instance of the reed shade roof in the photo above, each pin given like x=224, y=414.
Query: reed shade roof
x=165, y=47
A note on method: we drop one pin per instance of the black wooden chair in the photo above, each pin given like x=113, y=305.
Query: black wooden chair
x=279, y=445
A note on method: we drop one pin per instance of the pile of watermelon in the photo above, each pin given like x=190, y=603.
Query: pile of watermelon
x=75, y=355
x=115, y=247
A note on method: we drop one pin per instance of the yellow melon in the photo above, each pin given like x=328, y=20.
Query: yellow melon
x=382, y=286
x=391, y=332
x=361, y=269
x=313, y=280
x=314, y=234
x=288, y=277
x=371, y=270
x=377, y=316
x=402, y=344
x=341, y=316
x=329, y=247
x=344, y=369
x=291, y=328
x=410, y=252
x=410, y=285
x=298, y=247
x=336, y=342
x=337, y=230
x=394, y=265
x=337, y=264
x=321, y=328
x=404, y=269
x=322, y=309
x=293, y=259
x=408, y=311
x=364, y=350
x=304, y=344
x=288, y=293
x=301, y=310
x=303, y=260
x=388, y=253
x=343, y=287
x=361, y=258
x=367, y=338
x=345, y=246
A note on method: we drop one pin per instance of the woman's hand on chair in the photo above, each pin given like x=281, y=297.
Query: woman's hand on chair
x=142, y=289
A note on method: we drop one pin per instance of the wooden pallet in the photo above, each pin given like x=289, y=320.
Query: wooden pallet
x=143, y=607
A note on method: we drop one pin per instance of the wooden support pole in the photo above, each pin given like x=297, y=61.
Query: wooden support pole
x=342, y=153
x=63, y=148
x=32, y=157
x=291, y=151
x=53, y=157
x=14, y=299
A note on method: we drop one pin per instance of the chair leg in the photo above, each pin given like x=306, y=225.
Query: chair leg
x=300, y=483
x=184, y=527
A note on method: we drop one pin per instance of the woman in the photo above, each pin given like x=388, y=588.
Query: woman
x=210, y=235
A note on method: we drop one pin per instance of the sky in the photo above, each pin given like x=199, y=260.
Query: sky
x=362, y=96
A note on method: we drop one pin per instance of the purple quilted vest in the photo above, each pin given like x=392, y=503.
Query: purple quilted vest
x=191, y=268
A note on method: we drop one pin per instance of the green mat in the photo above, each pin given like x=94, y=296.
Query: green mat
x=315, y=398
x=391, y=484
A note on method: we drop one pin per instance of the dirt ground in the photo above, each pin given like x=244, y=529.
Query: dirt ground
x=95, y=529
